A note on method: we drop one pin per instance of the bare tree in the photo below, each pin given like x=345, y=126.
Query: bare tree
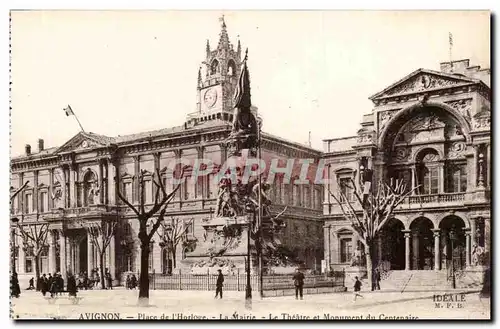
x=173, y=233
x=143, y=216
x=34, y=238
x=374, y=212
x=101, y=233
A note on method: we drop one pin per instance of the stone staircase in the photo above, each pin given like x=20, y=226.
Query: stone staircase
x=402, y=281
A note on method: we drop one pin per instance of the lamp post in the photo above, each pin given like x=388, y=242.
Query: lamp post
x=248, y=287
x=452, y=238
x=14, y=220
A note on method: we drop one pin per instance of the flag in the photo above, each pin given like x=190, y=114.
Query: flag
x=242, y=96
x=367, y=185
x=450, y=38
x=69, y=111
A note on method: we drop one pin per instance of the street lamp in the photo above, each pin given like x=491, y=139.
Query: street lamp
x=14, y=220
x=248, y=287
x=452, y=238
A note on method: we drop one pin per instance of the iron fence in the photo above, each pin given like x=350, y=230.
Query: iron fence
x=237, y=282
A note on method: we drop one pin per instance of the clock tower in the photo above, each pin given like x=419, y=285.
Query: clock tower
x=217, y=80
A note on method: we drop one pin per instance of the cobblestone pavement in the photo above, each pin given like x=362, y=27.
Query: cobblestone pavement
x=173, y=304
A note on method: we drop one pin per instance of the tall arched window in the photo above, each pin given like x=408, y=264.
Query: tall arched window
x=214, y=67
x=428, y=162
x=89, y=188
x=231, y=68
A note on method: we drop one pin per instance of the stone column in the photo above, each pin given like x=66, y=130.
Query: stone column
x=441, y=178
x=73, y=186
x=413, y=183
x=52, y=252
x=415, y=250
x=467, y=248
x=63, y=254
x=437, y=253
x=137, y=173
x=101, y=182
x=64, y=187
x=155, y=172
x=111, y=174
x=112, y=257
x=473, y=231
x=407, y=250
x=487, y=234
x=51, y=190
x=36, y=205
x=90, y=254
x=487, y=165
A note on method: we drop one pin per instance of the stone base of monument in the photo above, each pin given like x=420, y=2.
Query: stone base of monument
x=224, y=246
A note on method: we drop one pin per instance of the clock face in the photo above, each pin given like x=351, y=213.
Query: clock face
x=210, y=97
x=85, y=144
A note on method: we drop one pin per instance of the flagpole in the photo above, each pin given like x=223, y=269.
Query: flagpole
x=81, y=127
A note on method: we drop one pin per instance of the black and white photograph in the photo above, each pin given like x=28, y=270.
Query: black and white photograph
x=250, y=165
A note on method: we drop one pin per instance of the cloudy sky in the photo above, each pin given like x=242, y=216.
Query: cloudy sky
x=132, y=71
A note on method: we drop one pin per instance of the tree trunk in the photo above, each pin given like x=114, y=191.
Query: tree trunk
x=174, y=263
x=37, y=271
x=144, y=275
x=369, y=266
x=101, y=268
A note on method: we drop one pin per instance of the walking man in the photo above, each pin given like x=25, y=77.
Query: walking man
x=220, y=281
x=357, y=288
x=298, y=281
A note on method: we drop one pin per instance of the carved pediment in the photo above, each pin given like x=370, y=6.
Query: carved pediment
x=84, y=141
x=421, y=81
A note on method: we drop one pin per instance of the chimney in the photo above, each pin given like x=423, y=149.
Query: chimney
x=40, y=145
x=27, y=149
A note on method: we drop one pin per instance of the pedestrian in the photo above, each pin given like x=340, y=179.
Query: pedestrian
x=71, y=285
x=32, y=284
x=60, y=283
x=97, y=279
x=298, y=282
x=43, y=282
x=376, y=280
x=109, y=281
x=127, y=282
x=357, y=288
x=15, y=290
x=133, y=282
x=219, y=284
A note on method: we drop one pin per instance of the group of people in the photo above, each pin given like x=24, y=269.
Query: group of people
x=131, y=282
x=54, y=284
x=95, y=279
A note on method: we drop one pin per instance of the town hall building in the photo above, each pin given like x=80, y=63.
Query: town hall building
x=74, y=184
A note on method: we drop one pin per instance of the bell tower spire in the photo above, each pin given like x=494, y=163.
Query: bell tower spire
x=224, y=38
x=217, y=84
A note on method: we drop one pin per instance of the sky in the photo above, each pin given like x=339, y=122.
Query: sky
x=126, y=72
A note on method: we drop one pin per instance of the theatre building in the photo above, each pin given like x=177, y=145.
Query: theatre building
x=74, y=184
x=432, y=130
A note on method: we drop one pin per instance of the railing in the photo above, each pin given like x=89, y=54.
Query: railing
x=436, y=198
x=237, y=282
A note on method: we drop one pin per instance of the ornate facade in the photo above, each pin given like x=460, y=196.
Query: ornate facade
x=75, y=183
x=432, y=130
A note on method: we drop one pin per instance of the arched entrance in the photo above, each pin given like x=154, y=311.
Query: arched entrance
x=422, y=246
x=392, y=245
x=452, y=227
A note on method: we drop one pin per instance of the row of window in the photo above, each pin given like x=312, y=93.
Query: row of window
x=427, y=178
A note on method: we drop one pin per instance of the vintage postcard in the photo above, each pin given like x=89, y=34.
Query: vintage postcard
x=250, y=165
